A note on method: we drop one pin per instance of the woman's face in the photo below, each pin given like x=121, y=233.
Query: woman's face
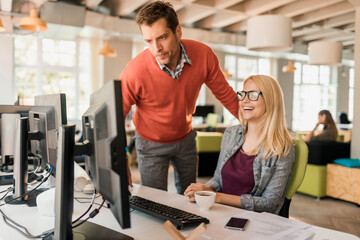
x=252, y=111
x=322, y=118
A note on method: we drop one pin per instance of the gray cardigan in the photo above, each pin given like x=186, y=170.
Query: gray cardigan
x=271, y=175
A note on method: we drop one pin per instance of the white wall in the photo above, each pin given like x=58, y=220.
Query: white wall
x=114, y=66
x=286, y=81
x=7, y=88
x=342, y=90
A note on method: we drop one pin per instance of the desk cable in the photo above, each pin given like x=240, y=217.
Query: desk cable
x=32, y=190
x=6, y=191
x=21, y=229
x=91, y=215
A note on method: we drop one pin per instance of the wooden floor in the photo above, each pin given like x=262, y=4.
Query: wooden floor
x=327, y=212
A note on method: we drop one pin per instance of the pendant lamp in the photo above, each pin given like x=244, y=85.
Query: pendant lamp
x=2, y=29
x=227, y=74
x=269, y=33
x=325, y=53
x=289, y=67
x=33, y=22
x=107, y=51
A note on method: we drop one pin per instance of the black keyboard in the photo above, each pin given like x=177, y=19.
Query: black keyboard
x=178, y=217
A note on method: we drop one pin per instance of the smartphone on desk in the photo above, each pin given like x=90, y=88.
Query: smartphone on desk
x=237, y=223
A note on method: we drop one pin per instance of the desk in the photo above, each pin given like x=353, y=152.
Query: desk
x=143, y=225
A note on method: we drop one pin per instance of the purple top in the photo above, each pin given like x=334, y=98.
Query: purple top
x=238, y=175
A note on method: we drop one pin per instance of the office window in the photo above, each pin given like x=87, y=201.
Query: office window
x=313, y=92
x=241, y=67
x=351, y=94
x=47, y=66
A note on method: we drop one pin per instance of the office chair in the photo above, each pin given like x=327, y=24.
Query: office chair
x=211, y=121
x=297, y=174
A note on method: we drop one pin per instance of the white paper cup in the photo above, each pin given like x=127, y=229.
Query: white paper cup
x=205, y=199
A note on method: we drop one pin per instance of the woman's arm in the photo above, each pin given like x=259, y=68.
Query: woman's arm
x=223, y=198
x=311, y=133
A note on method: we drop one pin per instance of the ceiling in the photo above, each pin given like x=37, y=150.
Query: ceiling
x=312, y=20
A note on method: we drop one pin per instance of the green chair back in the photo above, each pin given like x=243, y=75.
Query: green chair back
x=298, y=168
x=212, y=119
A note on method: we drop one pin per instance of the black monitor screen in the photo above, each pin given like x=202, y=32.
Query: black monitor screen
x=202, y=111
x=106, y=165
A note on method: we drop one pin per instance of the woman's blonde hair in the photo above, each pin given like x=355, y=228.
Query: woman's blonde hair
x=275, y=139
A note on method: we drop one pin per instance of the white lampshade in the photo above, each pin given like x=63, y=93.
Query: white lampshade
x=325, y=53
x=269, y=33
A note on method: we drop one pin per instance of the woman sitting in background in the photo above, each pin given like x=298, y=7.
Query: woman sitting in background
x=329, y=132
x=256, y=156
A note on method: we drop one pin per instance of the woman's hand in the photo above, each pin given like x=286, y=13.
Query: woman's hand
x=194, y=187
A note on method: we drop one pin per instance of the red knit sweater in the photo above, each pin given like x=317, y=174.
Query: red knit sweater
x=164, y=105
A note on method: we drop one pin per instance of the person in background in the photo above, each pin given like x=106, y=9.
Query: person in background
x=329, y=132
x=164, y=82
x=255, y=160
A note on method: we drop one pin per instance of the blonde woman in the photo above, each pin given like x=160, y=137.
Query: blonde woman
x=255, y=161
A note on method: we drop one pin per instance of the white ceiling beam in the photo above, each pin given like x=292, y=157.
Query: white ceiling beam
x=237, y=27
x=349, y=27
x=189, y=15
x=92, y=3
x=256, y=7
x=222, y=4
x=304, y=6
x=318, y=15
x=339, y=20
x=220, y=20
x=128, y=6
x=355, y=3
x=305, y=30
x=318, y=34
x=339, y=38
x=347, y=43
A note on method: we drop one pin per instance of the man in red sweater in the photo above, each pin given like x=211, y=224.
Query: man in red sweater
x=164, y=82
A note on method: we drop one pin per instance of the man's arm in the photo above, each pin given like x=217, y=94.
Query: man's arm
x=220, y=87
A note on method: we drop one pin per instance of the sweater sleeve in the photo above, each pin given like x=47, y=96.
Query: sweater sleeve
x=219, y=86
x=130, y=91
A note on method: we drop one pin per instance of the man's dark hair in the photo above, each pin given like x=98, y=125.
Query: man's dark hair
x=152, y=12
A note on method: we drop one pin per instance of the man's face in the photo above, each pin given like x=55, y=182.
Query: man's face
x=162, y=42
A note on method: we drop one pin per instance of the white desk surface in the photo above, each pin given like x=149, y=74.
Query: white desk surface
x=143, y=226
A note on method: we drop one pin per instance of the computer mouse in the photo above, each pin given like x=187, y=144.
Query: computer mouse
x=80, y=183
x=45, y=202
x=89, y=188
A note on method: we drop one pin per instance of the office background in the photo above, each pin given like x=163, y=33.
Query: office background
x=78, y=29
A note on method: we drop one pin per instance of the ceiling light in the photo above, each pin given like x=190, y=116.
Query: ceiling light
x=269, y=33
x=33, y=22
x=325, y=53
x=2, y=29
x=107, y=51
x=289, y=67
x=227, y=74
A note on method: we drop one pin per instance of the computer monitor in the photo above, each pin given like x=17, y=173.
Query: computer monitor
x=105, y=162
x=46, y=121
x=104, y=127
x=7, y=139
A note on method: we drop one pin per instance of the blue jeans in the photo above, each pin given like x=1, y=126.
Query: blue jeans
x=154, y=159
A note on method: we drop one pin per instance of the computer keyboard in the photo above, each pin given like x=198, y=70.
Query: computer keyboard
x=178, y=217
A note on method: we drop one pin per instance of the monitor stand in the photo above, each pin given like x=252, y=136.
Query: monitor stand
x=64, y=193
x=20, y=173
